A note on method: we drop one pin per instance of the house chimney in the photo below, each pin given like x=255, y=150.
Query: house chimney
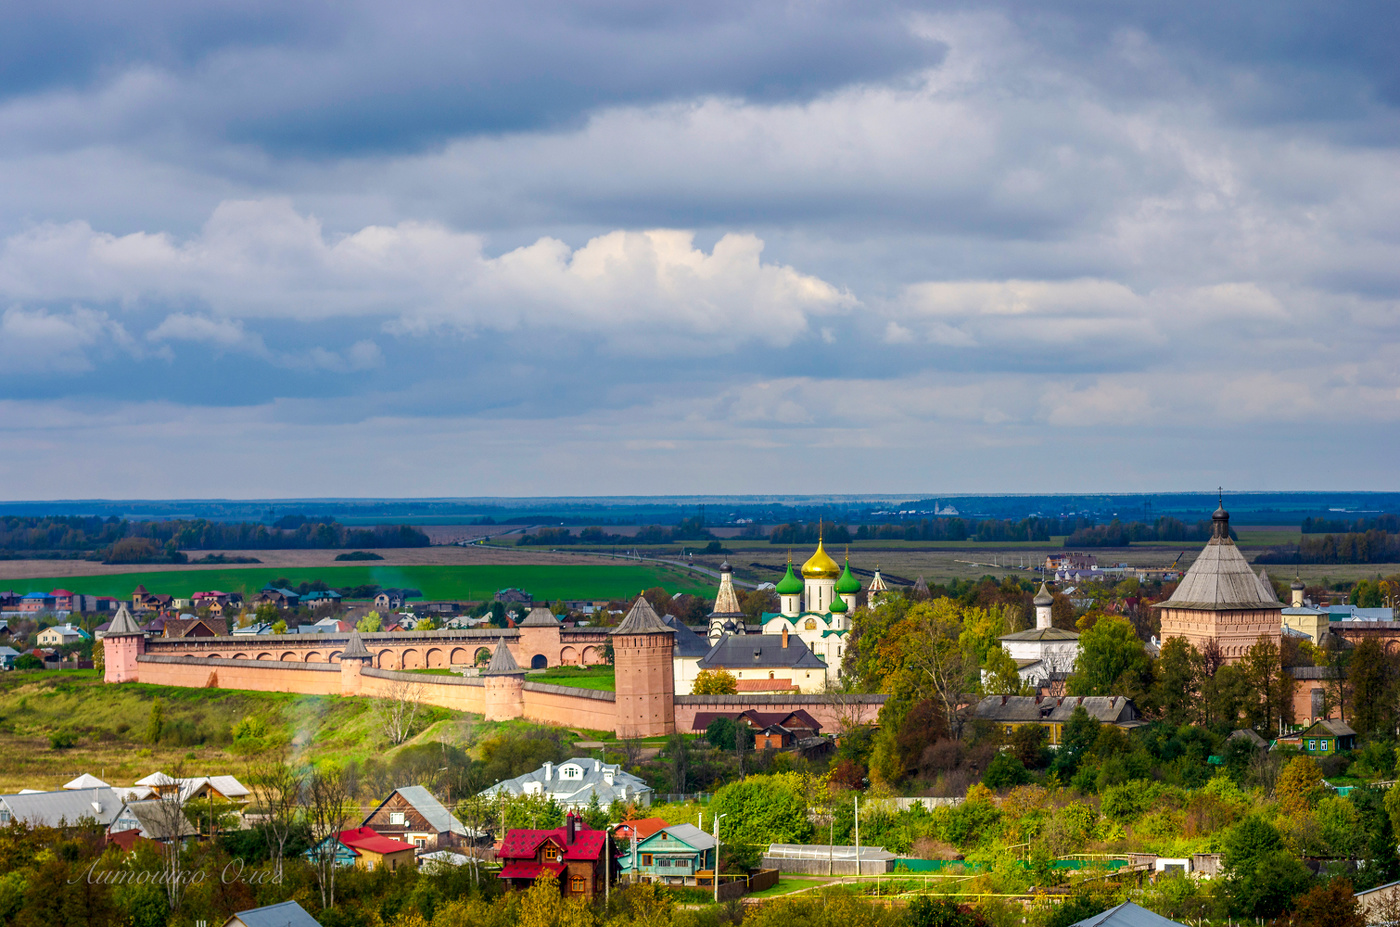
x=785, y=637
x=570, y=828
x=548, y=771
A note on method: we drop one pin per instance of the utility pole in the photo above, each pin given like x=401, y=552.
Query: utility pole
x=858, y=866
x=718, y=817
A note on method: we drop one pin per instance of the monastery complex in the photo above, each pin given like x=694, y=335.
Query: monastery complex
x=785, y=661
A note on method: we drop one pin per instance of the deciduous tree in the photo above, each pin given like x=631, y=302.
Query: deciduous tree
x=715, y=682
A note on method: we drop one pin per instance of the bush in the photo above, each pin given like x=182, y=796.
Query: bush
x=62, y=739
x=1005, y=771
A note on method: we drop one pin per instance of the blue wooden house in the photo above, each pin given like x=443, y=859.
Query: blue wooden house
x=671, y=856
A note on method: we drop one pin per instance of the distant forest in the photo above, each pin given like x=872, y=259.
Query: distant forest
x=1388, y=523
x=1374, y=546
x=120, y=541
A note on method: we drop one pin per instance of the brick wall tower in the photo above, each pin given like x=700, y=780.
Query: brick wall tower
x=122, y=644
x=1220, y=601
x=646, y=685
x=505, y=686
x=354, y=658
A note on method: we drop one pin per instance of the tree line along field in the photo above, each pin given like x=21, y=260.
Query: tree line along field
x=437, y=582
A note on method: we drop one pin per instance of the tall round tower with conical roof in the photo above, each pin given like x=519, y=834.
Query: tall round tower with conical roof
x=645, y=681
x=1220, y=601
x=505, y=686
x=121, y=645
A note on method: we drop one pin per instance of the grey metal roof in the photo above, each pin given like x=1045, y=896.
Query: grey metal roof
x=502, y=663
x=539, y=618
x=123, y=623
x=286, y=914
x=825, y=851
x=688, y=643
x=355, y=648
x=1110, y=709
x=157, y=819
x=1245, y=733
x=761, y=650
x=689, y=834
x=1221, y=579
x=426, y=804
x=1127, y=914
x=576, y=790
x=65, y=806
x=1041, y=634
x=1043, y=597
x=642, y=619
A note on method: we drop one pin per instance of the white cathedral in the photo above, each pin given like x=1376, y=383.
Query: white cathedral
x=815, y=608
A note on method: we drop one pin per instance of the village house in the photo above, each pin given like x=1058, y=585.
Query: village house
x=575, y=782
x=34, y=603
x=61, y=808
x=413, y=815
x=194, y=626
x=389, y=602
x=60, y=635
x=776, y=730
x=1008, y=712
x=282, y=598
x=367, y=849
x=153, y=819
x=582, y=860
x=638, y=829
x=674, y=855
x=286, y=914
x=1323, y=738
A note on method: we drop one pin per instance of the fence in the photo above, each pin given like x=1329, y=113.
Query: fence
x=681, y=798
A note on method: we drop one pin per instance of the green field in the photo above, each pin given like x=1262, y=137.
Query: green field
x=585, y=581
x=580, y=677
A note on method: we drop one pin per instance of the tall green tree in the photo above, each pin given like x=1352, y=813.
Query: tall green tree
x=1112, y=661
x=1371, y=676
x=1270, y=684
x=1176, y=687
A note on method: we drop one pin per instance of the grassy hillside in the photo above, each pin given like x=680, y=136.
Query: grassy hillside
x=603, y=580
x=109, y=727
x=580, y=677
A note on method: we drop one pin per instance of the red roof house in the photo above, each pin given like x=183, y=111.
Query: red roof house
x=578, y=857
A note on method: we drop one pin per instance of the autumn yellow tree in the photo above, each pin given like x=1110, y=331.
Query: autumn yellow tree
x=543, y=905
x=1298, y=785
x=715, y=682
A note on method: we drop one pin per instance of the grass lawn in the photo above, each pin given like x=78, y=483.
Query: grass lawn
x=600, y=580
x=110, y=726
x=580, y=677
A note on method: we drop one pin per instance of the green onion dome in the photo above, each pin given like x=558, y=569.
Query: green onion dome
x=838, y=606
x=847, y=584
x=790, y=584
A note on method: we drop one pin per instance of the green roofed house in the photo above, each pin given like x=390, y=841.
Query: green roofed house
x=673, y=855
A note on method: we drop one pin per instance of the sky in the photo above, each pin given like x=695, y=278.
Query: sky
x=258, y=250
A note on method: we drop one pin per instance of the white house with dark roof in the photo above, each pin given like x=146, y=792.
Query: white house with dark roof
x=767, y=663
x=574, y=782
x=1044, y=654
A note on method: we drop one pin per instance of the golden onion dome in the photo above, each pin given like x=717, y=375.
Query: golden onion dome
x=821, y=566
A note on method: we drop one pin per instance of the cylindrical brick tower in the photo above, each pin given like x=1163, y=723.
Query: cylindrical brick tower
x=122, y=644
x=505, y=686
x=354, y=658
x=646, y=686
